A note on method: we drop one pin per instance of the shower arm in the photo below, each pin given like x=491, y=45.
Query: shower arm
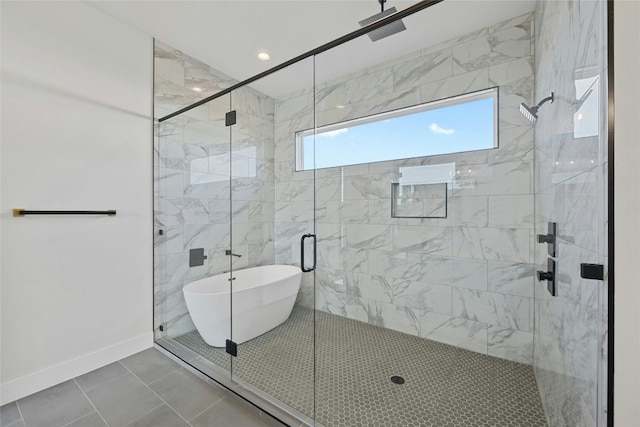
x=548, y=98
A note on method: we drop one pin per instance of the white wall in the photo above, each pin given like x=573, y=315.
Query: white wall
x=627, y=214
x=76, y=134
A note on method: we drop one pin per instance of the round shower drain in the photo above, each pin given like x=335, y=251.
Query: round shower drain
x=397, y=380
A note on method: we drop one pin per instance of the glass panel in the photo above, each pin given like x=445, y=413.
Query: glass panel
x=419, y=312
x=191, y=218
x=272, y=209
x=571, y=179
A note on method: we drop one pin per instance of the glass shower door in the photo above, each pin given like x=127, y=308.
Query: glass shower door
x=425, y=273
x=370, y=364
x=272, y=209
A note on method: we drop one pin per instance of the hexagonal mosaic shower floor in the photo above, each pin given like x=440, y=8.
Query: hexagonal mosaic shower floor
x=444, y=385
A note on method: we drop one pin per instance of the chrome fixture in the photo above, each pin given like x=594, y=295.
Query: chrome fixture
x=228, y=253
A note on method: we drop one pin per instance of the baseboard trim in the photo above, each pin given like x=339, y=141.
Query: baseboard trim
x=37, y=381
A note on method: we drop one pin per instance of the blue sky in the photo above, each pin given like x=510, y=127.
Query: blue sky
x=462, y=127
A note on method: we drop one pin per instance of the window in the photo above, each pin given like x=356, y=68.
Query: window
x=462, y=123
x=586, y=120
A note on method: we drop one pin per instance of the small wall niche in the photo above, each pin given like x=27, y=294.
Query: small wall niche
x=422, y=191
x=419, y=200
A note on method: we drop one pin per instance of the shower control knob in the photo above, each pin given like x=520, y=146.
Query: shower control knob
x=549, y=238
x=545, y=275
x=549, y=276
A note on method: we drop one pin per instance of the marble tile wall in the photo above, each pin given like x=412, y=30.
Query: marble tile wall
x=194, y=197
x=571, y=164
x=466, y=280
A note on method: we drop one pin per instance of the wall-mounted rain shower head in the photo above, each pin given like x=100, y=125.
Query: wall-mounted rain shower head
x=387, y=30
x=531, y=113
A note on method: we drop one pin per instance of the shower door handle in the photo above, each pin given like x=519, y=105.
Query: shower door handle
x=306, y=270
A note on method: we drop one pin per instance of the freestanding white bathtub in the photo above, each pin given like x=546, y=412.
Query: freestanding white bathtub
x=262, y=299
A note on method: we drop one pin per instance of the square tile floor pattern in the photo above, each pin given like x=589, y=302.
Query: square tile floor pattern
x=445, y=385
x=144, y=390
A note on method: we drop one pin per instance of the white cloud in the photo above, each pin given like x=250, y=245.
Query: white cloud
x=435, y=128
x=335, y=132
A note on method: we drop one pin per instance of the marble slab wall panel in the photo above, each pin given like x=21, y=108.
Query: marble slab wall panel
x=206, y=174
x=175, y=77
x=467, y=279
x=571, y=159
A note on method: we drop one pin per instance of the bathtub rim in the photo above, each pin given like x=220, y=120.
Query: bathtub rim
x=186, y=289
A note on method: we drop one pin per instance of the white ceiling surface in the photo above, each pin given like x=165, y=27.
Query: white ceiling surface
x=227, y=35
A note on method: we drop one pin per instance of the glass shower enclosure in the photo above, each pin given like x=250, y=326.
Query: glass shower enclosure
x=359, y=237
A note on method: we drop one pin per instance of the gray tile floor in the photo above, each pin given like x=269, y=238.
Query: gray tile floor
x=445, y=386
x=144, y=390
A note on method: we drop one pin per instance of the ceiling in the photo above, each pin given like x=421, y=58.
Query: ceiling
x=227, y=35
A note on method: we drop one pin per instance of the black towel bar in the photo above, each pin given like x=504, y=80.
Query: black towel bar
x=23, y=212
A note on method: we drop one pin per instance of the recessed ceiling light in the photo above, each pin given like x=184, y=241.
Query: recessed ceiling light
x=340, y=107
x=263, y=56
x=196, y=89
